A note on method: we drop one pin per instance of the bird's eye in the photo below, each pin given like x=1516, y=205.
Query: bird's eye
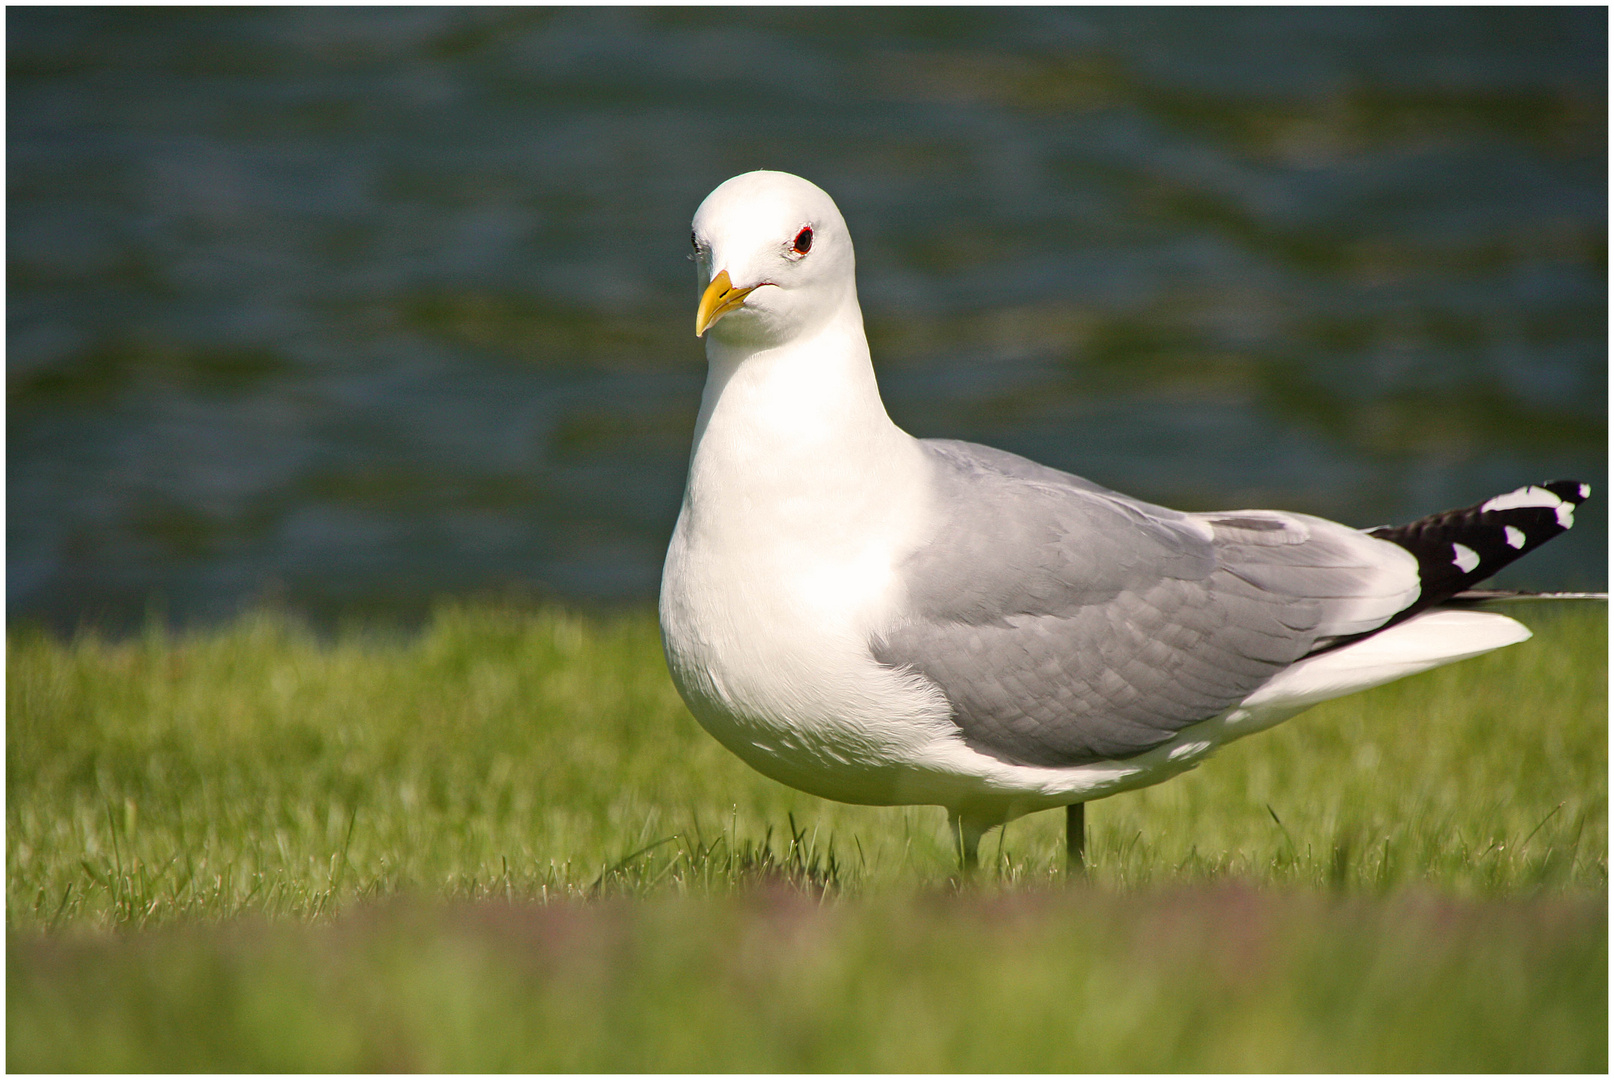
x=804, y=241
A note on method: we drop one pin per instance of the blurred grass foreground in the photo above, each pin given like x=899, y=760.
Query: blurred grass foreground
x=502, y=843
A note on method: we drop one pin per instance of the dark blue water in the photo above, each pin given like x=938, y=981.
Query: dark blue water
x=353, y=309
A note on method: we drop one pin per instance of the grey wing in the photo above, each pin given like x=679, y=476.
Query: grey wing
x=1066, y=623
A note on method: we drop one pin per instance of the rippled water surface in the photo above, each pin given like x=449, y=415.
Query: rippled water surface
x=357, y=308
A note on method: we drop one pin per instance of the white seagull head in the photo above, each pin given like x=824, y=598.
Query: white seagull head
x=774, y=260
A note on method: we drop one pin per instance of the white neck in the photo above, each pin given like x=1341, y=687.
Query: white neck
x=794, y=445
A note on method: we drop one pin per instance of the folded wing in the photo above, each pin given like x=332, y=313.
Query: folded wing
x=1066, y=623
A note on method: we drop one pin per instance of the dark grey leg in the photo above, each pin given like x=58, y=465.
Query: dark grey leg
x=1076, y=838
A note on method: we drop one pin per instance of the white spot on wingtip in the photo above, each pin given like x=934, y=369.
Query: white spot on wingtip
x=1585, y=491
x=1465, y=557
x=1515, y=538
x=1566, y=515
x=1525, y=496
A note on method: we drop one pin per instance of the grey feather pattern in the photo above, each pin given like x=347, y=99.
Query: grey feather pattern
x=1066, y=623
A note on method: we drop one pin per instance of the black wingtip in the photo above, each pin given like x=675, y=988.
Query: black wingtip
x=1460, y=548
x=1571, y=491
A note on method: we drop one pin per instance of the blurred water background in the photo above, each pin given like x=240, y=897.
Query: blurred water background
x=351, y=309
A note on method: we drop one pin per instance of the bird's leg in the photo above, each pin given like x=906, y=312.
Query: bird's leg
x=1076, y=839
x=967, y=834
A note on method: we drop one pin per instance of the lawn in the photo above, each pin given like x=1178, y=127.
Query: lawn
x=501, y=842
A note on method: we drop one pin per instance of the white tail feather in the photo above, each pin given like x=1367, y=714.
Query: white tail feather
x=1422, y=642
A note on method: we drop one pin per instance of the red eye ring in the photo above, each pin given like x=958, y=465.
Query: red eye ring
x=804, y=241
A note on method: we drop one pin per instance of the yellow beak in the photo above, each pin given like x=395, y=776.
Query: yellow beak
x=720, y=298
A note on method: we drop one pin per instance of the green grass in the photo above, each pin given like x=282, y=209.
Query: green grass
x=1213, y=979
x=250, y=833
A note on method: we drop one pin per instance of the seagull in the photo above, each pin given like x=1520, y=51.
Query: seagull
x=879, y=619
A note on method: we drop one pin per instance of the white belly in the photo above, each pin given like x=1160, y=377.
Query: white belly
x=769, y=646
